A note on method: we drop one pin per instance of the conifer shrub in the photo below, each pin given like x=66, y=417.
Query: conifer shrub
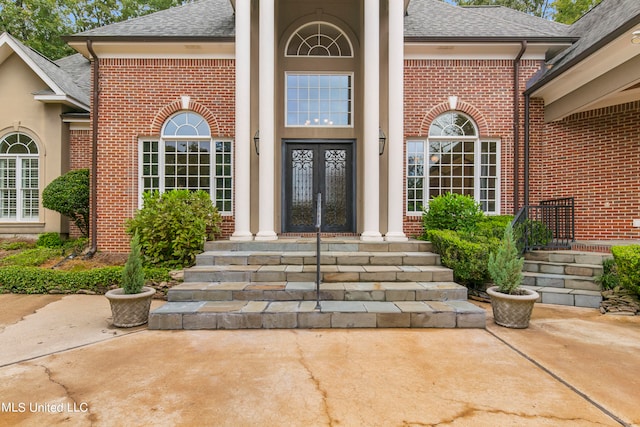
x=132, y=273
x=173, y=226
x=69, y=195
x=505, y=264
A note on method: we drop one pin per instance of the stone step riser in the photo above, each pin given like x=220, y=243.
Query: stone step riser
x=566, y=269
x=306, y=245
x=283, y=276
x=566, y=282
x=568, y=297
x=213, y=259
x=567, y=257
x=304, y=315
x=436, y=293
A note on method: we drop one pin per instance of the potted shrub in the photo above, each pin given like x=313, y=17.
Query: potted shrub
x=130, y=304
x=512, y=305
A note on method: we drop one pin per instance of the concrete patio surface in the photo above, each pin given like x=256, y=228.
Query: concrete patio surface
x=61, y=362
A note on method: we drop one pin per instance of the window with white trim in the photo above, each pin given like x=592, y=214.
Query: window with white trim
x=187, y=157
x=319, y=100
x=19, y=178
x=453, y=160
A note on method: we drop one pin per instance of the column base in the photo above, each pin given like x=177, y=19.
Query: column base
x=241, y=236
x=395, y=236
x=266, y=235
x=371, y=236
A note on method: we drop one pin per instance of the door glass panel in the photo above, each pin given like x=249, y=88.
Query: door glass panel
x=335, y=187
x=302, y=192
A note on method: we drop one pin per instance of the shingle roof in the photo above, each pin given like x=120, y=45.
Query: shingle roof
x=596, y=28
x=70, y=75
x=439, y=20
x=200, y=19
x=426, y=19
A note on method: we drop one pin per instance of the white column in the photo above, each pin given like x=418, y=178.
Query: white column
x=395, y=139
x=242, y=182
x=266, y=124
x=371, y=208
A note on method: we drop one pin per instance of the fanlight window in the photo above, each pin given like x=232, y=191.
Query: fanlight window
x=452, y=124
x=19, y=178
x=319, y=39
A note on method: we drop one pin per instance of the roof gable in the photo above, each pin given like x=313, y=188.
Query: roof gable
x=62, y=85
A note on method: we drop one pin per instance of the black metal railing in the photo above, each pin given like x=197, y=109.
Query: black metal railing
x=549, y=225
x=318, y=227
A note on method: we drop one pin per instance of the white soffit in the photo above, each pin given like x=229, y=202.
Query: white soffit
x=444, y=50
x=599, y=63
x=179, y=50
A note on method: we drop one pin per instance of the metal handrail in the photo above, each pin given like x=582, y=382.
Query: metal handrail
x=318, y=227
x=549, y=225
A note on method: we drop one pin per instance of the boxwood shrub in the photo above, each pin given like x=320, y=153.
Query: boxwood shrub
x=468, y=259
x=627, y=260
x=35, y=280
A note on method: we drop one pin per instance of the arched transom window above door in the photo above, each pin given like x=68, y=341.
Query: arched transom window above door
x=319, y=39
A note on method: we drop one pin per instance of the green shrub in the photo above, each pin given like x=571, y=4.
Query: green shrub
x=31, y=257
x=49, y=240
x=452, y=212
x=34, y=280
x=493, y=225
x=627, y=260
x=467, y=259
x=14, y=245
x=536, y=232
x=69, y=195
x=132, y=273
x=173, y=226
x=609, y=278
x=505, y=264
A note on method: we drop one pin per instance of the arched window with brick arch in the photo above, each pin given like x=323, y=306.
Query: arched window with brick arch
x=186, y=156
x=453, y=159
x=19, y=178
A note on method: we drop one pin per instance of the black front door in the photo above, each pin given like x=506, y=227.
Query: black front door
x=319, y=167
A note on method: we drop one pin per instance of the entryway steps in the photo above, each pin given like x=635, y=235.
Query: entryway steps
x=293, y=244
x=328, y=273
x=309, y=258
x=304, y=314
x=306, y=291
x=565, y=277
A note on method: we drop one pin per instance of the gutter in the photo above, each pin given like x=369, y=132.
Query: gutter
x=93, y=227
x=516, y=126
x=557, y=72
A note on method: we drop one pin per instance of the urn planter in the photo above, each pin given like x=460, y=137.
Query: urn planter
x=129, y=310
x=512, y=310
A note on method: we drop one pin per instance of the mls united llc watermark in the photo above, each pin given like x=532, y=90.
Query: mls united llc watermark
x=47, y=408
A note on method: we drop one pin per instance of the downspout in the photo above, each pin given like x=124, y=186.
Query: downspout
x=516, y=126
x=93, y=227
x=527, y=99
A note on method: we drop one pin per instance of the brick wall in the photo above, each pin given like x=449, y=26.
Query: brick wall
x=80, y=157
x=137, y=95
x=485, y=92
x=595, y=157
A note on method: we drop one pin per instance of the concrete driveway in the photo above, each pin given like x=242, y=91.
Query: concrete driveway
x=62, y=363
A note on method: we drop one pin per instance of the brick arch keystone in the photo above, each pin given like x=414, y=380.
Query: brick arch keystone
x=172, y=108
x=463, y=107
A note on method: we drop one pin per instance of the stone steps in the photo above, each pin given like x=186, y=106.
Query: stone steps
x=564, y=277
x=306, y=291
x=307, y=273
x=258, y=284
x=305, y=314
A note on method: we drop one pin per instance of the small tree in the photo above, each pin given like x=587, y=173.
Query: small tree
x=69, y=195
x=132, y=274
x=505, y=265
